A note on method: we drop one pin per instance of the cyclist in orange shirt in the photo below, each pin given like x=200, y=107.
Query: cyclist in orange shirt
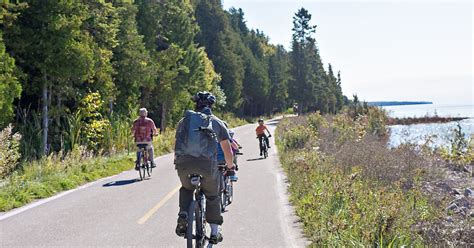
x=261, y=133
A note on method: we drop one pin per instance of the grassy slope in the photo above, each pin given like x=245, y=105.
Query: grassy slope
x=347, y=188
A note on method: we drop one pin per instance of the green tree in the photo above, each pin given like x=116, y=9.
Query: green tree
x=51, y=47
x=222, y=44
x=131, y=60
x=302, y=86
x=103, y=25
x=279, y=76
x=10, y=87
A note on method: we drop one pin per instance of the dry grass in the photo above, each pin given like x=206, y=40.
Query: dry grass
x=350, y=189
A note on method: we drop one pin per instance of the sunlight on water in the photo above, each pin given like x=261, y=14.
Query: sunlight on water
x=430, y=110
x=438, y=134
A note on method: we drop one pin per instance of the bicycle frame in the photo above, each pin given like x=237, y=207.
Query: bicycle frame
x=143, y=161
x=263, y=145
x=196, y=213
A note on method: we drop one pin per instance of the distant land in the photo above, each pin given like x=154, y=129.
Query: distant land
x=395, y=103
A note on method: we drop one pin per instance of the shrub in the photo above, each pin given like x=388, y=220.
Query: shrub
x=9, y=151
x=353, y=191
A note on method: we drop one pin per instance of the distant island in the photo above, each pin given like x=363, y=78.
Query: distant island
x=395, y=103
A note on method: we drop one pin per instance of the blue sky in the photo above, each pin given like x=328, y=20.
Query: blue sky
x=386, y=50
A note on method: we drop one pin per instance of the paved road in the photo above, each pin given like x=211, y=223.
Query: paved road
x=121, y=211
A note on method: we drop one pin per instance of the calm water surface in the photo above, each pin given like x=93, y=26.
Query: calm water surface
x=439, y=134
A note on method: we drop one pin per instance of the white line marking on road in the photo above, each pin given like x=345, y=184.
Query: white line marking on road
x=14, y=212
x=46, y=200
x=160, y=204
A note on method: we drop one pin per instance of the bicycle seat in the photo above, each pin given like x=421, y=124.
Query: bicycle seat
x=142, y=146
x=195, y=179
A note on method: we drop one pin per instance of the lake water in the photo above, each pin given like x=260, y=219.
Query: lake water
x=431, y=110
x=439, y=134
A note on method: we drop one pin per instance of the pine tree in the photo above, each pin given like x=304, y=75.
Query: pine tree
x=131, y=61
x=302, y=86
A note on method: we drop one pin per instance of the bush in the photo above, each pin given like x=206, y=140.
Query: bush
x=353, y=191
x=9, y=151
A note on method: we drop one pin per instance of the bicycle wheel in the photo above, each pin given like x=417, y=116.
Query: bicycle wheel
x=265, y=151
x=189, y=230
x=222, y=190
x=141, y=172
x=200, y=226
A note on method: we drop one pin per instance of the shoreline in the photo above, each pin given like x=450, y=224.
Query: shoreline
x=423, y=120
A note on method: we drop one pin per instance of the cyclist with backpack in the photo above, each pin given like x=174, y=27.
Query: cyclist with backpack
x=143, y=129
x=260, y=130
x=197, y=136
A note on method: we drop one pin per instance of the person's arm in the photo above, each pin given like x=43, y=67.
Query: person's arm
x=229, y=157
x=154, y=129
x=237, y=143
x=269, y=134
x=234, y=145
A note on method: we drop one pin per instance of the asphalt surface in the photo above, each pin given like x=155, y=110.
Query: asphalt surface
x=121, y=211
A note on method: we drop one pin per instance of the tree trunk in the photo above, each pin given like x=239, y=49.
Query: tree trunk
x=45, y=116
x=164, y=108
x=111, y=106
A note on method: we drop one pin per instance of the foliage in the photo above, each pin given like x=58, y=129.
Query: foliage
x=9, y=151
x=311, y=86
x=10, y=87
x=347, y=188
x=461, y=149
x=93, y=125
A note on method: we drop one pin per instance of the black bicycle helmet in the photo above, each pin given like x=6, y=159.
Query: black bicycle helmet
x=204, y=99
x=260, y=120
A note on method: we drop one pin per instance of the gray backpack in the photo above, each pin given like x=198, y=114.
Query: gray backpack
x=195, y=137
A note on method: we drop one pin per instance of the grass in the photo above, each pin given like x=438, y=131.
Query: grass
x=50, y=175
x=347, y=188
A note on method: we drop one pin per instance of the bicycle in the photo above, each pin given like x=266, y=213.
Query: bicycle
x=263, y=145
x=143, y=164
x=196, y=226
x=226, y=188
x=227, y=194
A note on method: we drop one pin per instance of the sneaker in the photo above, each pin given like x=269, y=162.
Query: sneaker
x=182, y=226
x=261, y=154
x=214, y=239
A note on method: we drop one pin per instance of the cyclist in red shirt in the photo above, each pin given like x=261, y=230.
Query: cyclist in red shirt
x=260, y=130
x=143, y=129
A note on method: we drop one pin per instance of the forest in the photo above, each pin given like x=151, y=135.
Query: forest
x=74, y=73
